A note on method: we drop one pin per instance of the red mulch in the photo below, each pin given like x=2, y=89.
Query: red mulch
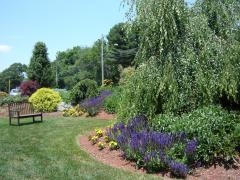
x=3, y=111
x=104, y=115
x=101, y=115
x=114, y=158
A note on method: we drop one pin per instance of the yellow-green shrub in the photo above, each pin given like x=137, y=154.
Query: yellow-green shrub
x=45, y=100
x=3, y=94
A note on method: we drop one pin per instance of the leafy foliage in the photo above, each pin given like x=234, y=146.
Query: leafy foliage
x=236, y=136
x=27, y=88
x=12, y=99
x=65, y=95
x=212, y=127
x=184, y=61
x=84, y=89
x=15, y=73
x=45, y=100
x=40, y=68
x=111, y=102
x=125, y=74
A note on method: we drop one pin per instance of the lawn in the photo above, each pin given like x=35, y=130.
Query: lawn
x=49, y=150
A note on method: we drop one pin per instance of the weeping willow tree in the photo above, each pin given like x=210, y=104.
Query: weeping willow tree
x=188, y=56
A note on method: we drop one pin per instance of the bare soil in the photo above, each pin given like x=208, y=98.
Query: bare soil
x=115, y=159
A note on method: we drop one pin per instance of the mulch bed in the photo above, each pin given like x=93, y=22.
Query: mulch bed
x=3, y=111
x=101, y=115
x=114, y=158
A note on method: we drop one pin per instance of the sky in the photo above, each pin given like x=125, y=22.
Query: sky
x=61, y=24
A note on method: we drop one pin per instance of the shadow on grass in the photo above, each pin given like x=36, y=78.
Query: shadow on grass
x=27, y=123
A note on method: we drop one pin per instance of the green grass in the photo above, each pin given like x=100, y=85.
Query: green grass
x=49, y=150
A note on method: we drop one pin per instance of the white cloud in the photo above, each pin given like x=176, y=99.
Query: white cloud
x=5, y=48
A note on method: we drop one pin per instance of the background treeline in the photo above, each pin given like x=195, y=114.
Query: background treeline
x=77, y=63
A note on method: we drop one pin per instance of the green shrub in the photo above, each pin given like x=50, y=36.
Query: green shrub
x=111, y=102
x=125, y=74
x=13, y=99
x=213, y=128
x=65, y=95
x=84, y=89
x=236, y=136
x=45, y=100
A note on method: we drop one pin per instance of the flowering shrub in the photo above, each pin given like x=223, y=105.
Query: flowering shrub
x=74, y=112
x=154, y=150
x=106, y=139
x=113, y=145
x=93, y=105
x=99, y=132
x=29, y=87
x=101, y=146
x=45, y=100
x=94, y=139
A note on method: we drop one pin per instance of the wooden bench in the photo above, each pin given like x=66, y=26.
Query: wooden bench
x=22, y=110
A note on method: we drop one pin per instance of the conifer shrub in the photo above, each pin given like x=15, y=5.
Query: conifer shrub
x=84, y=89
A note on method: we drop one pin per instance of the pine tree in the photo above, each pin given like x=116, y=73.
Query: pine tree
x=40, y=67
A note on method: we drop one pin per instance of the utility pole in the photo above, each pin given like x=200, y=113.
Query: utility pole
x=56, y=75
x=102, y=63
x=9, y=86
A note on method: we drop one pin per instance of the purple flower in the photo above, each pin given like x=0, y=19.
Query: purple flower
x=122, y=141
x=95, y=102
x=105, y=93
x=178, y=169
x=191, y=147
x=137, y=141
x=150, y=157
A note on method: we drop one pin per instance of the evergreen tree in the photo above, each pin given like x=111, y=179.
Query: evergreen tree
x=40, y=67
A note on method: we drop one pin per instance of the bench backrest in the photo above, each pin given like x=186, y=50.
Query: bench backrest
x=23, y=108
